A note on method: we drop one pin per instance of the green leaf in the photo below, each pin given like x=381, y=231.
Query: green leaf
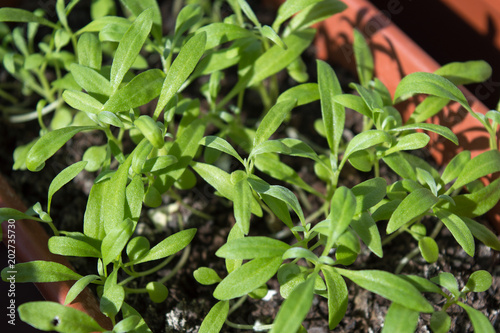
x=219, y=33
x=221, y=181
x=295, y=308
x=89, y=51
x=304, y=93
x=142, y=89
x=455, y=167
x=113, y=296
x=11, y=213
x=158, y=292
x=458, y=229
x=272, y=121
x=127, y=325
x=242, y=201
x=181, y=68
x=169, y=246
x=343, y=207
x=151, y=130
x=63, y=178
x=52, y=316
x=110, y=118
x=389, y=286
x=95, y=157
x=130, y=46
x=405, y=165
x=415, y=204
x=21, y=15
x=215, y=319
x=275, y=58
x=82, y=101
x=252, y=247
x=364, y=59
x=440, y=322
x=428, y=108
x=333, y=114
x=337, y=296
x=410, y=141
x=93, y=221
x=485, y=235
x=49, y=143
x=315, y=13
x=113, y=201
x=270, y=34
x=480, y=166
x=367, y=230
x=479, y=281
x=206, y=276
x=480, y=322
x=460, y=73
x=365, y=140
x=247, y=278
x=300, y=252
x=115, y=240
x=429, y=249
x=222, y=145
x=428, y=83
x=78, y=287
x=128, y=312
x=39, y=271
x=67, y=246
x=423, y=285
x=394, y=319
x=353, y=102
x=289, y=8
x=188, y=17
x=476, y=203
x=448, y=281
x=441, y=130
x=91, y=80
x=369, y=193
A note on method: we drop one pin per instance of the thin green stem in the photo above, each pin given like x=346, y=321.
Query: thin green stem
x=180, y=264
x=196, y=212
x=236, y=305
x=255, y=327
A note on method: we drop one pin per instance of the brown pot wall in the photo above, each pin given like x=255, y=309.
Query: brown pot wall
x=31, y=244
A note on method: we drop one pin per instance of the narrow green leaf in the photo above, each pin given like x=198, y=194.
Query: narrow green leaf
x=365, y=140
x=389, y=286
x=479, y=321
x=67, y=246
x=215, y=319
x=343, y=207
x=333, y=114
x=14, y=214
x=170, y=245
x=113, y=296
x=394, y=319
x=272, y=121
x=82, y=101
x=369, y=193
x=480, y=166
x=440, y=322
x=364, y=59
x=189, y=16
x=276, y=59
x=295, y=308
x=367, y=230
x=39, y=271
x=252, y=247
x=423, y=285
x=206, y=276
x=21, y=15
x=458, y=229
x=115, y=240
x=315, y=13
x=475, y=71
x=427, y=83
x=415, y=204
x=130, y=46
x=304, y=93
x=428, y=108
x=93, y=220
x=63, y=178
x=289, y=8
x=49, y=143
x=337, y=296
x=142, y=89
x=78, y=287
x=113, y=204
x=219, y=33
x=181, y=68
x=441, y=130
x=245, y=7
x=221, y=181
x=137, y=7
x=353, y=102
x=222, y=145
x=247, y=278
x=270, y=34
x=242, y=202
x=455, y=167
x=91, y=80
x=52, y=316
x=476, y=203
x=89, y=51
x=485, y=235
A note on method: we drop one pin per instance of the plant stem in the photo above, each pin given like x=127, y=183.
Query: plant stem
x=196, y=212
x=32, y=115
x=180, y=264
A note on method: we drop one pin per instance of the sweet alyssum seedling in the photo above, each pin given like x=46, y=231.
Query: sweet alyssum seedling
x=103, y=78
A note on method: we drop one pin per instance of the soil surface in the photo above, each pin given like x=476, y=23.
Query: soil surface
x=188, y=301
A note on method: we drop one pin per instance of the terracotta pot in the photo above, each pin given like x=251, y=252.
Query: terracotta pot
x=31, y=244
x=396, y=55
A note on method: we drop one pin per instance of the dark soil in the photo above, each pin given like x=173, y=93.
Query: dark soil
x=189, y=302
